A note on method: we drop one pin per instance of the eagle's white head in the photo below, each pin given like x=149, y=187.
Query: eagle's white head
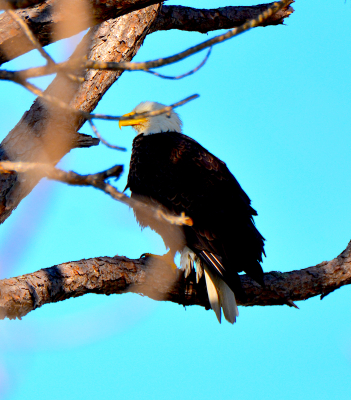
x=167, y=122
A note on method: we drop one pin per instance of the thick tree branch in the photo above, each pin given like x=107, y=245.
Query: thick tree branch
x=108, y=275
x=45, y=23
x=45, y=133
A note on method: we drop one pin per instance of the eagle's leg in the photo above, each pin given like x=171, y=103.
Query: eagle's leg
x=167, y=258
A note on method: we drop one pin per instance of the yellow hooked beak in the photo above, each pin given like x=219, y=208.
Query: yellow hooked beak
x=130, y=122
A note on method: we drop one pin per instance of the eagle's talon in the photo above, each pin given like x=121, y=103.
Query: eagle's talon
x=166, y=258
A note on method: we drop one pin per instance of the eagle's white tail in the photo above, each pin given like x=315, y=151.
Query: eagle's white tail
x=221, y=296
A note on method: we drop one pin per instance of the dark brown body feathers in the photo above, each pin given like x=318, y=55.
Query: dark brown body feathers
x=174, y=171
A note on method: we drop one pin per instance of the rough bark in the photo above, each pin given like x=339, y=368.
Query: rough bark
x=117, y=275
x=45, y=23
x=45, y=133
x=206, y=20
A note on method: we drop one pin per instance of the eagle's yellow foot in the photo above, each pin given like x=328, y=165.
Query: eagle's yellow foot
x=166, y=258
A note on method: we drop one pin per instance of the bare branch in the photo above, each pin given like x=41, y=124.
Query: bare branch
x=88, y=116
x=55, y=101
x=206, y=20
x=107, y=275
x=97, y=181
x=102, y=140
x=43, y=22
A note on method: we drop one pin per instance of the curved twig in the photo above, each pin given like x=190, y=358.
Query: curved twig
x=203, y=62
x=102, y=140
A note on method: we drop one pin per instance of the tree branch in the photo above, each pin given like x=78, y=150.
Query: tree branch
x=117, y=275
x=206, y=20
x=45, y=23
x=98, y=181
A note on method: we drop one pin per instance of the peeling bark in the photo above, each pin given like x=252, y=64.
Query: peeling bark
x=117, y=275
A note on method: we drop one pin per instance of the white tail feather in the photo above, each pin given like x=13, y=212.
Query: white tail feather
x=213, y=295
x=227, y=301
x=220, y=295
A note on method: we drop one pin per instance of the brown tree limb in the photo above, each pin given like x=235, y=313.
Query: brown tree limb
x=44, y=22
x=117, y=275
x=45, y=133
x=206, y=20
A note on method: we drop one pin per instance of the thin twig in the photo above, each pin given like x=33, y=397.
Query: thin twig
x=31, y=37
x=59, y=103
x=203, y=62
x=36, y=44
x=105, y=142
x=98, y=181
x=163, y=110
x=51, y=99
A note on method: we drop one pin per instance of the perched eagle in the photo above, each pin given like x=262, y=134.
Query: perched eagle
x=174, y=172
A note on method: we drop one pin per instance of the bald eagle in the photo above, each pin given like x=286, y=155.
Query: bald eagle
x=171, y=170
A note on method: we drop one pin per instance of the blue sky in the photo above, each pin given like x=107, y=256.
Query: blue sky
x=275, y=106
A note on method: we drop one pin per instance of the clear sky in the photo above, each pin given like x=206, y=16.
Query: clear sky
x=275, y=106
